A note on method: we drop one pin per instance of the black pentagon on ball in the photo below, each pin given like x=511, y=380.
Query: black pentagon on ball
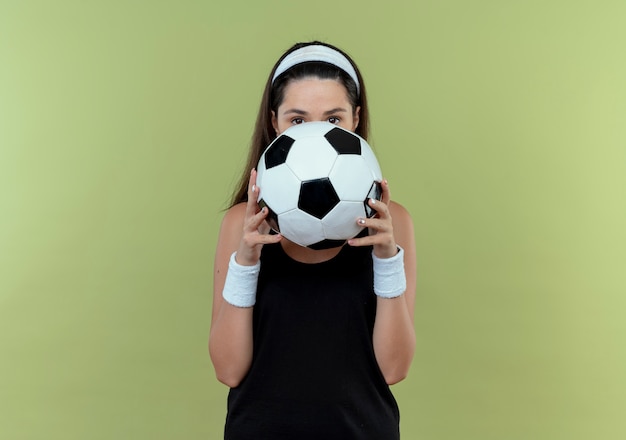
x=376, y=192
x=277, y=152
x=317, y=197
x=343, y=141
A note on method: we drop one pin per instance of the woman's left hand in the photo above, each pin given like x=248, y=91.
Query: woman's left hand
x=380, y=227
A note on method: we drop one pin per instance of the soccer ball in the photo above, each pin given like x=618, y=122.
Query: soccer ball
x=316, y=179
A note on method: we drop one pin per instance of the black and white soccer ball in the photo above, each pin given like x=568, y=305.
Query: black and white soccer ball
x=316, y=179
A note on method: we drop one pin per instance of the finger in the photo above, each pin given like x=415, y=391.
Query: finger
x=386, y=196
x=264, y=228
x=362, y=241
x=255, y=221
x=253, y=192
x=256, y=237
x=380, y=207
x=270, y=238
x=378, y=225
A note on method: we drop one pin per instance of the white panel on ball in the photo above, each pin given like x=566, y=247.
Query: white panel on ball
x=351, y=177
x=311, y=157
x=300, y=227
x=370, y=159
x=341, y=222
x=281, y=191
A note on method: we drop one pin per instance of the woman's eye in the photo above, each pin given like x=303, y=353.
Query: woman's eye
x=297, y=121
x=333, y=120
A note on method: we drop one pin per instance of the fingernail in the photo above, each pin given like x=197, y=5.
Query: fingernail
x=373, y=201
x=361, y=221
x=253, y=188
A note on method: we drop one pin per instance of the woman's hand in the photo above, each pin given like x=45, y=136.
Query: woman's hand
x=255, y=228
x=380, y=227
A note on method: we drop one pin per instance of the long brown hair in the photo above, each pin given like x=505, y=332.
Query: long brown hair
x=273, y=96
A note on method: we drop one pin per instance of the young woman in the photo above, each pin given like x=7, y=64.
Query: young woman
x=310, y=340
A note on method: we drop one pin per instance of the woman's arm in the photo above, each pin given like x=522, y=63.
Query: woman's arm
x=230, y=339
x=394, y=334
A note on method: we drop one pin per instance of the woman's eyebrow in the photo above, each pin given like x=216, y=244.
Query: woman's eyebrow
x=303, y=112
x=335, y=110
x=296, y=111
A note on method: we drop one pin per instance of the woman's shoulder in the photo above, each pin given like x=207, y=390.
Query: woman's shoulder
x=232, y=222
x=402, y=225
x=398, y=211
x=236, y=211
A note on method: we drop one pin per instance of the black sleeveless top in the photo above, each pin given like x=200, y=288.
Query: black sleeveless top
x=313, y=374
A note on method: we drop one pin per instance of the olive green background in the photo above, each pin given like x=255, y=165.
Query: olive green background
x=500, y=126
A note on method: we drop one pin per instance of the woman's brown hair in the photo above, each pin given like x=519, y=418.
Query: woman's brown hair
x=273, y=96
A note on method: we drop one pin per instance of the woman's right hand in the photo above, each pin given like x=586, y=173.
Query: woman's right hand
x=255, y=229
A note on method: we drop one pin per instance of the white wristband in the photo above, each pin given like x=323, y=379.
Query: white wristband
x=389, y=276
x=240, y=285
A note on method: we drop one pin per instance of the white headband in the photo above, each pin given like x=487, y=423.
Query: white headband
x=317, y=53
